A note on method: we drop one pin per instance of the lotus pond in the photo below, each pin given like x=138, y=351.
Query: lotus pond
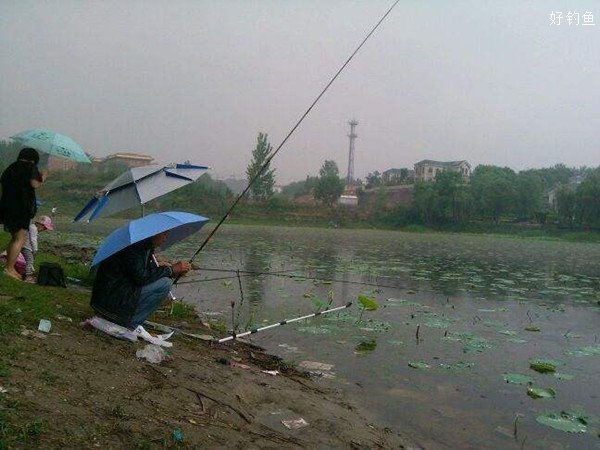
x=465, y=341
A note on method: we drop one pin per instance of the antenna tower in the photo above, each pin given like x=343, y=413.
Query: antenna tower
x=352, y=136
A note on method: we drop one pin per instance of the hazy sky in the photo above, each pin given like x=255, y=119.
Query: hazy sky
x=488, y=81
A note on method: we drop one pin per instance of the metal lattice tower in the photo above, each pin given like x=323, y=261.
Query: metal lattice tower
x=352, y=136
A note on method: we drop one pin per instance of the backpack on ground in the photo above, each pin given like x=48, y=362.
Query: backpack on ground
x=51, y=274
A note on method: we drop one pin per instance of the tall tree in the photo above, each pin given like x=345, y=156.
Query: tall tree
x=299, y=188
x=262, y=188
x=451, y=195
x=588, y=200
x=373, y=179
x=493, y=190
x=329, y=186
x=565, y=205
x=529, y=194
x=426, y=203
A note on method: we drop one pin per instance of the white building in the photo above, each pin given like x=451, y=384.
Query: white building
x=427, y=169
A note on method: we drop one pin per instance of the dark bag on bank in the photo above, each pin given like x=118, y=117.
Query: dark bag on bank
x=51, y=274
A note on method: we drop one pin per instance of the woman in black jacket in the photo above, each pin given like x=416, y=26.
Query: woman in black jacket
x=18, y=203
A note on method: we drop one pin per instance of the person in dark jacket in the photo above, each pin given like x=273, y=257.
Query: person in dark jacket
x=18, y=203
x=129, y=286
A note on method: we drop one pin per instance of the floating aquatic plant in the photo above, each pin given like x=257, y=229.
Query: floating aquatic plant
x=517, y=378
x=564, y=421
x=365, y=346
x=367, y=304
x=563, y=376
x=543, y=365
x=584, y=351
x=419, y=365
x=541, y=393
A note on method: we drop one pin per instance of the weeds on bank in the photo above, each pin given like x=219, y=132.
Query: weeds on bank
x=15, y=431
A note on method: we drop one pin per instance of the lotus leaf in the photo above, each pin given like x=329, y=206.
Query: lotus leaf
x=368, y=303
x=368, y=345
x=419, y=365
x=517, y=378
x=563, y=376
x=584, y=351
x=541, y=393
x=564, y=421
x=543, y=366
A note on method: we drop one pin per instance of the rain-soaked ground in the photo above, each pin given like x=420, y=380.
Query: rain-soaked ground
x=462, y=321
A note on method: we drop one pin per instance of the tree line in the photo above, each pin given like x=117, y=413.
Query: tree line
x=498, y=193
x=492, y=194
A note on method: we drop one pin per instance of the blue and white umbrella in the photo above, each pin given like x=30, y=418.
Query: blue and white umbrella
x=53, y=143
x=180, y=225
x=137, y=186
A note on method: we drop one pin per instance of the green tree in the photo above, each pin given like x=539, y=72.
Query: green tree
x=588, y=200
x=528, y=194
x=262, y=188
x=493, y=191
x=299, y=188
x=565, y=205
x=426, y=203
x=373, y=179
x=8, y=153
x=451, y=196
x=329, y=186
x=552, y=176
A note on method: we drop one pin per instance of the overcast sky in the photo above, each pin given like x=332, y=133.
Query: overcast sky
x=492, y=82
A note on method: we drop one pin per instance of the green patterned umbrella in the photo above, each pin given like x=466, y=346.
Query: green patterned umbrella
x=53, y=143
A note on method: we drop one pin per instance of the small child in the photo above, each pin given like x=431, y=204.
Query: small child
x=31, y=245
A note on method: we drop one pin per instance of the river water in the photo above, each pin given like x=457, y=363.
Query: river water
x=457, y=315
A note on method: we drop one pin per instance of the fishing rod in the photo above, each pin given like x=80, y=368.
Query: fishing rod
x=283, y=322
x=268, y=161
x=285, y=275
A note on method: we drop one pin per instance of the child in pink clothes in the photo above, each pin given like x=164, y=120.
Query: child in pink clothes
x=31, y=245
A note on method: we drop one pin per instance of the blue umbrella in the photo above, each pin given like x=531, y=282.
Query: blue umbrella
x=53, y=143
x=179, y=225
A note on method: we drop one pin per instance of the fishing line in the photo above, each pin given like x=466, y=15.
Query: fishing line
x=285, y=275
x=243, y=273
x=268, y=161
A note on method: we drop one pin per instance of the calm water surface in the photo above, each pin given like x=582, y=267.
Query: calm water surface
x=475, y=300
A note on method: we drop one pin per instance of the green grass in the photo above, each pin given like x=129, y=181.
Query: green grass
x=23, y=304
x=13, y=430
x=182, y=311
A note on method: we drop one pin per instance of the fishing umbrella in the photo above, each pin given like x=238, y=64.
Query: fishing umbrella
x=138, y=186
x=53, y=143
x=179, y=225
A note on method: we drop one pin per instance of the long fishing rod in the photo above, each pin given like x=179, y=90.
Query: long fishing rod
x=284, y=275
x=268, y=161
x=283, y=322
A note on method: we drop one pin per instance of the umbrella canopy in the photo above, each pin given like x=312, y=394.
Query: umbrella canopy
x=53, y=143
x=138, y=186
x=179, y=225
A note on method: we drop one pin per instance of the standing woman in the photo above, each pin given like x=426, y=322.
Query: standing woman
x=18, y=204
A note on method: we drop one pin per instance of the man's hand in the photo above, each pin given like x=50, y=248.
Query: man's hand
x=180, y=268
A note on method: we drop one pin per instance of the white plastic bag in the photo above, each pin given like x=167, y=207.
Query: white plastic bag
x=152, y=353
